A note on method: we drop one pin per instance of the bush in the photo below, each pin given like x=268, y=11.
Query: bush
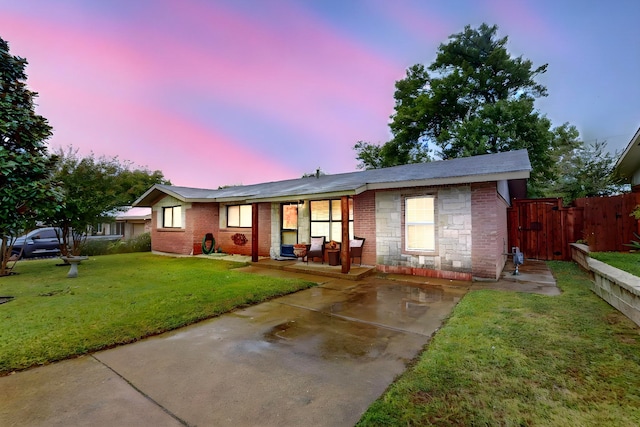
x=141, y=243
x=95, y=247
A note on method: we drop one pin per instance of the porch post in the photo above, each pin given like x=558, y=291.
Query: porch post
x=254, y=232
x=344, y=253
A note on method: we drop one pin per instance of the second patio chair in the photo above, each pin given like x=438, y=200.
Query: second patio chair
x=316, y=248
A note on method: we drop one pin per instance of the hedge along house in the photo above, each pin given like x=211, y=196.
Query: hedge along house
x=441, y=219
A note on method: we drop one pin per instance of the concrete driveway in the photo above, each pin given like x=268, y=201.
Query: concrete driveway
x=317, y=357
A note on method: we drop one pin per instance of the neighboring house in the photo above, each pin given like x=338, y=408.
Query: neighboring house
x=128, y=224
x=441, y=219
x=628, y=165
x=133, y=222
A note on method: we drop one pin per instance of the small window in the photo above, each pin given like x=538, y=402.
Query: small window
x=239, y=216
x=172, y=217
x=420, y=224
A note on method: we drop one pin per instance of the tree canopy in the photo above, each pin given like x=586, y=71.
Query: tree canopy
x=580, y=169
x=95, y=189
x=25, y=165
x=475, y=98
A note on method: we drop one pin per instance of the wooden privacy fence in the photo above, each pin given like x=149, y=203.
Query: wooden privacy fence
x=543, y=228
x=608, y=225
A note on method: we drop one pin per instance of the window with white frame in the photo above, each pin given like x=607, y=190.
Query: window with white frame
x=326, y=219
x=172, y=217
x=419, y=223
x=239, y=216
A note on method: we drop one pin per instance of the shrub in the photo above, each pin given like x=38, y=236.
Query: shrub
x=95, y=247
x=141, y=243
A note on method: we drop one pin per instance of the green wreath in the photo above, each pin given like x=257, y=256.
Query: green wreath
x=212, y=249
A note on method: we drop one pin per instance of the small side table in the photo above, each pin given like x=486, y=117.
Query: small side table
x=334, y=256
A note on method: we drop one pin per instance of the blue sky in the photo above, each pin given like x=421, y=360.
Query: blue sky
x=243, y=91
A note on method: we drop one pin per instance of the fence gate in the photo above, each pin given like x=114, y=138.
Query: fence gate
x=541, y=228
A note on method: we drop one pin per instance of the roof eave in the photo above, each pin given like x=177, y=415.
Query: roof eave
x=433, y=182
x=629, y=160
x=149, y=198
x=313, y=196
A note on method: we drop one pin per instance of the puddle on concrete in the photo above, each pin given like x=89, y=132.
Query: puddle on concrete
x=395, y=300
x=322, y=336
x=362, y=323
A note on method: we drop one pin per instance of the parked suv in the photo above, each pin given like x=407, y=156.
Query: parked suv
x=39, y=242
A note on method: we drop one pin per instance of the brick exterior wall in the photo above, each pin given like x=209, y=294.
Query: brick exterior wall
x=224, y=237
x=471, y=230
x=203, y=218
x=489, y=230
x=364, y=224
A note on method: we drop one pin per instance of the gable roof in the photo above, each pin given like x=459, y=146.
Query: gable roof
x=489, y=167
x=629, y=162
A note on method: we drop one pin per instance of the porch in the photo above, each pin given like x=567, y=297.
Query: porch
x=297, y=266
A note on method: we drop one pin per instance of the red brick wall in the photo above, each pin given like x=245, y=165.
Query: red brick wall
x=224, y=235
x=169, y=240
x=364, y=224
x=489, y=228
x=203, y=218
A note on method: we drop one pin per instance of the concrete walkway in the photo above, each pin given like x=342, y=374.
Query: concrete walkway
x=317, y=357
x=533, y=277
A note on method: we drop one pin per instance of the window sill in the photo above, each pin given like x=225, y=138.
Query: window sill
x=171, y=230
x=419, y=253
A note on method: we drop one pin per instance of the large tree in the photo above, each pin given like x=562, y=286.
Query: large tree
x=580, y=169
x=94, y=190
x=25, y=165
x=475, y=98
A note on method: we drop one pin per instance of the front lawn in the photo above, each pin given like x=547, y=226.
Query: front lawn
x=626, y=261
x=516, y=359
x=116, y=299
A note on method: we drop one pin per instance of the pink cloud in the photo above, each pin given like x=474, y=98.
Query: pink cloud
x=111, y=89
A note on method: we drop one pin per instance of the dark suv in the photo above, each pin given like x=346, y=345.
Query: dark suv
x=39, y=242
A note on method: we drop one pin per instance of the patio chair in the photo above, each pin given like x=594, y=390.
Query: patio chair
x=316, y=248
x=355, y=248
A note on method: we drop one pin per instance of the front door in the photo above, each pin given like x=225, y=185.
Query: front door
x=289, y=224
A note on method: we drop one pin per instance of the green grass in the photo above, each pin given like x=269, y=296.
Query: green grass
x=116, y=299
x=513, y=359
x=626, y=261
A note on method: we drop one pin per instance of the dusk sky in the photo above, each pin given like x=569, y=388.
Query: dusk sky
x=220, y=92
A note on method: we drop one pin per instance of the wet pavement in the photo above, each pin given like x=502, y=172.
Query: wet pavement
x=533, y=277
x=317, y=357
